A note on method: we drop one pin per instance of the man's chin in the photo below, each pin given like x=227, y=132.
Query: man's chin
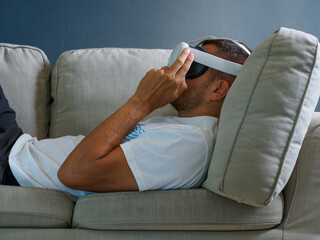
x=174, y=105
x=178, y=106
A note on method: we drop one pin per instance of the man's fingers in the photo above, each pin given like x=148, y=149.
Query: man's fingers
x=165, y=68
x=178, y=63
x=186, y=66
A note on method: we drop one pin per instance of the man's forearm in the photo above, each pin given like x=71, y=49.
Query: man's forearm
x=109, y=134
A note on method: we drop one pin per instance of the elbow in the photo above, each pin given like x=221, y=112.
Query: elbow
x=66, y=177
x=75, y=176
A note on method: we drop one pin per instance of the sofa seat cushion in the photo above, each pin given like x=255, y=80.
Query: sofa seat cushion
x=192, y=209
x=34, y=208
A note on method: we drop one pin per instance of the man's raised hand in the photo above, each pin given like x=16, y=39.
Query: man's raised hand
x=160, y=87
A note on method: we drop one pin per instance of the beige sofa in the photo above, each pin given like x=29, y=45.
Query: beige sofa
x=86, y=86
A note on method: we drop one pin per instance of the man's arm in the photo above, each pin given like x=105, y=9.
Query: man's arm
x=98, y=163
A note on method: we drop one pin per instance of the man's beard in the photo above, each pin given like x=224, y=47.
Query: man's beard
x=189, y=100
x=182, y=104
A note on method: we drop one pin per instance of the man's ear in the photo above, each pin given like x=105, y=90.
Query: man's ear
x=219, y=89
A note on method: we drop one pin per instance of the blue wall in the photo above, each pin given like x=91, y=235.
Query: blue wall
x=56, y=26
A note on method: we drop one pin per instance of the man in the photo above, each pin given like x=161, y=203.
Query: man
x=122, y=154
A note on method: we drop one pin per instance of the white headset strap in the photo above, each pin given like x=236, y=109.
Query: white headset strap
x=216, y=62
x=199, y=41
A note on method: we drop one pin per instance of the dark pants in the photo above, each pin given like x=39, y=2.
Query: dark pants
x=9, y=133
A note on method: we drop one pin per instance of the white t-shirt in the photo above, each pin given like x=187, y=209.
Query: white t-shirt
x=162, y=152
x=170, y=152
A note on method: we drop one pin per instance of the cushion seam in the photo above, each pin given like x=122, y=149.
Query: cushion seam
x=55, y=100
x=49, y=216
x=48, y=83
x=56, y=95
x=23, y=46
x=293, y=199
x=103, y=227
x=292, y=133
x=311, y=131
x=121, y=222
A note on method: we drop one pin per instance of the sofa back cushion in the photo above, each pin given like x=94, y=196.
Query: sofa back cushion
x=25, y=73
x=265, y=117
x=88, y=85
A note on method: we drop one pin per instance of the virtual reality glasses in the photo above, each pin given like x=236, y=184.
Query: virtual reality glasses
x=203, y=60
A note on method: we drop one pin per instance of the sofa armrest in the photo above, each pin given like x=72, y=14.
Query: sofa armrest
x=25, y=73
x=302, y=205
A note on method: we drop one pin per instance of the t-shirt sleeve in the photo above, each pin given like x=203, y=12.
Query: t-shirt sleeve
x=167, y=158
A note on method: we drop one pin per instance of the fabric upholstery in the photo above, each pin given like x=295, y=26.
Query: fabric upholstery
x=265, y=117
x=25, y=73
x=34, y=208
x=88, y=85
x=193, y=209
x=302, y=204
x=81, y=234
x=45, y=214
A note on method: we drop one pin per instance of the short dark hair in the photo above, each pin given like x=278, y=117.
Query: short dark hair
x=231, y=51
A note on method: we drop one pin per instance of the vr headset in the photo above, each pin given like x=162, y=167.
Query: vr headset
x=203, y=60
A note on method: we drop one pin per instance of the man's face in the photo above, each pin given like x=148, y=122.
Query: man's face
x=197, y=88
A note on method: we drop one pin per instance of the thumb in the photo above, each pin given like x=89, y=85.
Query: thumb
x=183, y=86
